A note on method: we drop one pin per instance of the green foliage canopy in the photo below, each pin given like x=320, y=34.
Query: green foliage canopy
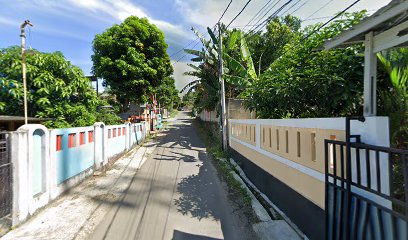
x=55, y=89
x=132, y=59
x=306, y=82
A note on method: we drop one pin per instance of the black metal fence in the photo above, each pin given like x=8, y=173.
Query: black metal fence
x=366, y=190
x=5, y=176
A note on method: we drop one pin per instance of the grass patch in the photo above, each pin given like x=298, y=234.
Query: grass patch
x=210, y=134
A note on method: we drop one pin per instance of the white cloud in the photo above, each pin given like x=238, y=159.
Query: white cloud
x=8, y=21
x=181, y=80
x=121, y=9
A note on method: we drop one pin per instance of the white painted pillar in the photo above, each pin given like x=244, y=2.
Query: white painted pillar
x=19, y=162
x=370, y=77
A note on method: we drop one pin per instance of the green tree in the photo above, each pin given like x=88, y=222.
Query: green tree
x=167, y=94
x=132, y=59
x=393, y=94
x=306, y=82
x=268, y=46
x=55, y=89
x=239, y=71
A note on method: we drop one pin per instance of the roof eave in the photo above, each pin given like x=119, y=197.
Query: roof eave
x=366, y=25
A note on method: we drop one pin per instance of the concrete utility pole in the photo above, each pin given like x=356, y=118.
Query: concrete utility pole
x=23, y=66
x=221, y=79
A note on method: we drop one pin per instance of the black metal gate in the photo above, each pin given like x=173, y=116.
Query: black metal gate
x=366, y=190
x=5, y=176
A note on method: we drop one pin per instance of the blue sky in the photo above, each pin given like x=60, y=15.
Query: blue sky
x=69, y=26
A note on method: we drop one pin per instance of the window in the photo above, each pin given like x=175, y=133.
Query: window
x=59, y=142
x=71, y=140
x=109, y=133
x=81, y=138
x=90, y=136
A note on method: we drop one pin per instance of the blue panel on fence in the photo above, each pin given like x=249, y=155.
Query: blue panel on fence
x=116, y=145
x=72, y=161
x=37, y=162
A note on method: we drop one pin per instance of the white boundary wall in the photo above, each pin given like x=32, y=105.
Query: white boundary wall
x=37, y=155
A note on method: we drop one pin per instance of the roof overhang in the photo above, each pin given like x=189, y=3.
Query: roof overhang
x=389, y=24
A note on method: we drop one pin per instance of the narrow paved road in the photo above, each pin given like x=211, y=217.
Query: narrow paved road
x=175, y=195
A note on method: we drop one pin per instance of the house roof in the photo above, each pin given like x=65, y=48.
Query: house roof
x=391, y=15
x=5, y=118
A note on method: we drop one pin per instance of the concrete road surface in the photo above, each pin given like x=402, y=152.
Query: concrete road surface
x=176, y=195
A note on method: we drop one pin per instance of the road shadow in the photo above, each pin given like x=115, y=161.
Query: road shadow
x=179, y=235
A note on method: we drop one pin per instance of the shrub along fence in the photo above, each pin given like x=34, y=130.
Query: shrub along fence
x=285, y=159
x=48, y=162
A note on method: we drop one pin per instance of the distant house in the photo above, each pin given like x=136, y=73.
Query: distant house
x=12, y=123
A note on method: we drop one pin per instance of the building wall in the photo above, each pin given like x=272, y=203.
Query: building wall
x=285, y=160
x=48, y=162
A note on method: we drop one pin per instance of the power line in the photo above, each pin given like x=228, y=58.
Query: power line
x=224, y=11
x=264, y=15
x=262, y=10
x=336, y=16
x=239, y=13
x=291, y=7
x=318, y=10
x=297, y=9
x=174, y=54
x=182, y=49
x=269, y=19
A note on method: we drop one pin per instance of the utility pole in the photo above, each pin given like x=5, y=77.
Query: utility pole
x=23, y=66
x=221, y=79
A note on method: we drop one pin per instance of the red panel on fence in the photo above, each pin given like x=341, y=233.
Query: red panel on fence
x=90, y=136
x=123, y=131
x=114, y=132
x=109, y=133
x=118, y=131
x=71, y=140
x=81, y=138
x=59, y=142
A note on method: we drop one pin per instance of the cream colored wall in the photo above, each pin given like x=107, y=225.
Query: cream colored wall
x=308, y=186
x=299, y=161
x=244, y=132
x=301, y=145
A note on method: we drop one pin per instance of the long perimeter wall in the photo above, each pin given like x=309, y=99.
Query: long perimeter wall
x=285, y=159
x=48, y=162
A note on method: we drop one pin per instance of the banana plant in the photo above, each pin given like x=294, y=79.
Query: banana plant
x=238, y=72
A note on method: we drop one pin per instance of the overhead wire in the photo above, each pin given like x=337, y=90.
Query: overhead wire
x=318, y=10
x=270, y=9
x=226, y=9
x=238, y=13
x=196, y=40
x=269, y=19
x=331, y=19
x=262, y=10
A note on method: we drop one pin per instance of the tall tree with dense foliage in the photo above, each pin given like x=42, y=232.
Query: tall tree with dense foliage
x=167, y=94
x=267, y=46
x=55, y=89
x=306, y=82
x=131, y=58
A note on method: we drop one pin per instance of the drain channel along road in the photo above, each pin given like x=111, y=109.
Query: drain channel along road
x=176, y=195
